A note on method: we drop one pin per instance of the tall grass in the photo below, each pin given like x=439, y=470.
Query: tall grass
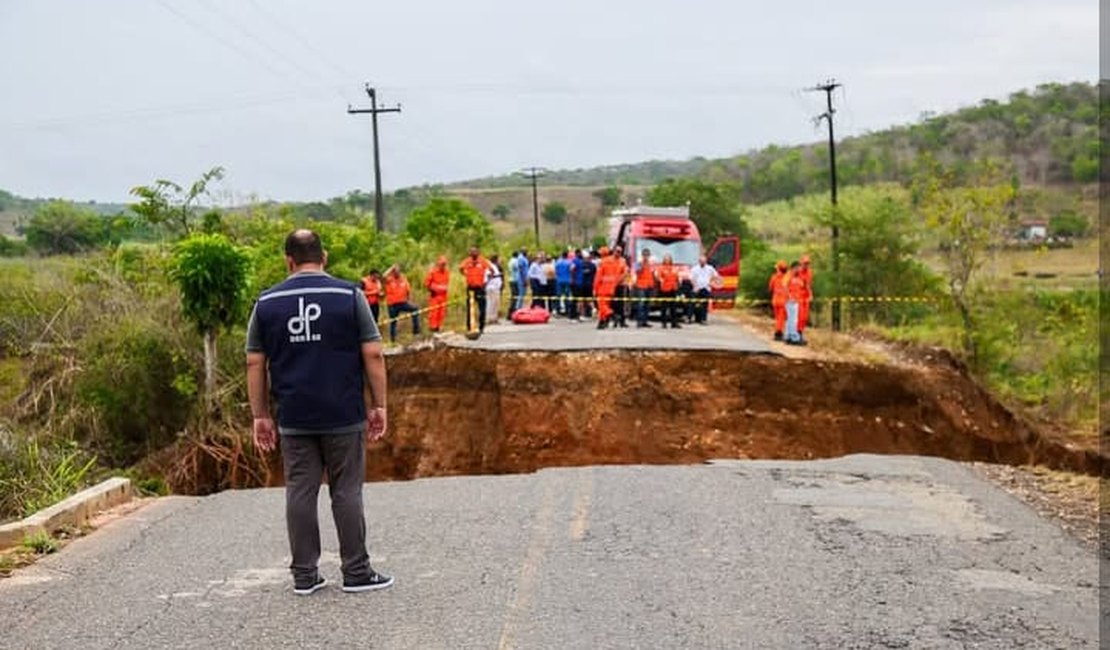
x=1037, y=350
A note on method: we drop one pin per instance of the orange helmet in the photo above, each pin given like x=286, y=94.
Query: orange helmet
x=781, y=265
x=603, y=251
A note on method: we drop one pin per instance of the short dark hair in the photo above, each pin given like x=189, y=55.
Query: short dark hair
x=304, y=247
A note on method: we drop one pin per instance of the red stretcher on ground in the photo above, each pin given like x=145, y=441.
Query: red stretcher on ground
x=531, y=316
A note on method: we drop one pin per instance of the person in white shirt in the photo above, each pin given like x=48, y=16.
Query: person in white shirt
x=703, y=277
x=494, y=283
x=538, y=279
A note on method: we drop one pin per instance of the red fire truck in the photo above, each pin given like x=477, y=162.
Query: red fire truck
x=664, y=230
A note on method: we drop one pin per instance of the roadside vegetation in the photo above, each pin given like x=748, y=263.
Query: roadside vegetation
x=121, y=330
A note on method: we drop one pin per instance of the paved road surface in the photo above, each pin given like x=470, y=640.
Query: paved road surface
x=561, y=334
x=861, y=552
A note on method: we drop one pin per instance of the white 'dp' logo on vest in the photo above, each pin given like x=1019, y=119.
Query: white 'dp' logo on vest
x=300, y=326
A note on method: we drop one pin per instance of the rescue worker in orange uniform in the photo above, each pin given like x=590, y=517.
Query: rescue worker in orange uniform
x=610, y=272
x=439, y=277
x=372, y=287
x=806, y=274
x=475, y=269
x=644, y=288
x=795, y=293
x=777, y=287
x=668, y=291
x=397, y=292
x=623, y=291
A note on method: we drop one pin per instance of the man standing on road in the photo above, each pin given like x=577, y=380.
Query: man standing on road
x=795, y=293
x=578, y=278
x=538, y=281
x=397, y=293
x=586, y=269
x=703, y=278
x=563, y=267
x=668, y=292
x=608, y=277
x=778, y=290
x=437, y=282
x=645, y=287
x=312, y=343
x=522, y=278
x=514, y=282
x=623, y=291
x=372, y=287
x=806, y=274
x=493, y=289
x=475, y=269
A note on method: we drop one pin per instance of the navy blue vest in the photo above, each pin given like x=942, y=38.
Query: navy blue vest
x=311, y=339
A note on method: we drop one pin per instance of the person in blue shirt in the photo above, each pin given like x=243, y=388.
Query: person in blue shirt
x=313, y=346
x=562, y=284
x=513, y=272
x=522, y=267
x=583, y=271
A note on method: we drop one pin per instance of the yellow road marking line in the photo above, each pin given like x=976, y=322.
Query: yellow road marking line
x=582, y=499
x=529, y=570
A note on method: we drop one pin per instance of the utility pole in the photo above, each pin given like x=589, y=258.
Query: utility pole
x=828, y=87
x=535, y=173
x=379, y=205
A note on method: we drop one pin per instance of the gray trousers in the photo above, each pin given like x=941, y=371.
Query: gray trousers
x=305, y=458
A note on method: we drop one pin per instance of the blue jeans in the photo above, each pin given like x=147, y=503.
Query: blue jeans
x=642, y=296
x=792, y=321
x=539, y=295
x=522, y=285
x=562, y=292
x=397, y=310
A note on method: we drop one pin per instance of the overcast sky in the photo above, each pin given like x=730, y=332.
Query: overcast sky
x=96, y=97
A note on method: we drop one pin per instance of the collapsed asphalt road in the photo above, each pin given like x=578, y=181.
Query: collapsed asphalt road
x=859, y=552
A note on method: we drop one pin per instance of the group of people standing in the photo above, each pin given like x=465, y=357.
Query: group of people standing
x=571, y=284
x=577, y=280
x=791, y=290
x=484, y=285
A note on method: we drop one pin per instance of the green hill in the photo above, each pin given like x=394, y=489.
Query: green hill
x=14, y=210
x=1049, y=134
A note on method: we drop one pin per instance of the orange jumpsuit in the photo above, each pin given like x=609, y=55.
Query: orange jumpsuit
x=609, y=274
x=778, y=287
x=396, y=290
x=372, y=287
x=439, y=277
x=806, y=274
x=668, y=289
x=475, y=270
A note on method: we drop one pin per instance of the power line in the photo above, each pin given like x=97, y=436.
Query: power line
x=220, y=39
x=828, y=87
x=379, y=204
x=308, y=45
x=534, y=173
x=247, y=33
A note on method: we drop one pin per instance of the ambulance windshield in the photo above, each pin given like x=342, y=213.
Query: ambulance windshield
x=683, y=251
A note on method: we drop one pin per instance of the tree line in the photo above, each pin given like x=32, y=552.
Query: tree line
x=1047, y=135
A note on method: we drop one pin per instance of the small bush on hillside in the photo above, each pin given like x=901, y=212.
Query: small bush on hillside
x=139, y=385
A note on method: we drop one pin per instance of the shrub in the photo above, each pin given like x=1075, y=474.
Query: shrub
x=60, y=227
x=139, y=385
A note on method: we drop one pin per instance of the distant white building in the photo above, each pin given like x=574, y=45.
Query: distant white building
x=1034, y=230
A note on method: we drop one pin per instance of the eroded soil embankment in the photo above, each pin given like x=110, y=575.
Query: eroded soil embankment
x=472, y=412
